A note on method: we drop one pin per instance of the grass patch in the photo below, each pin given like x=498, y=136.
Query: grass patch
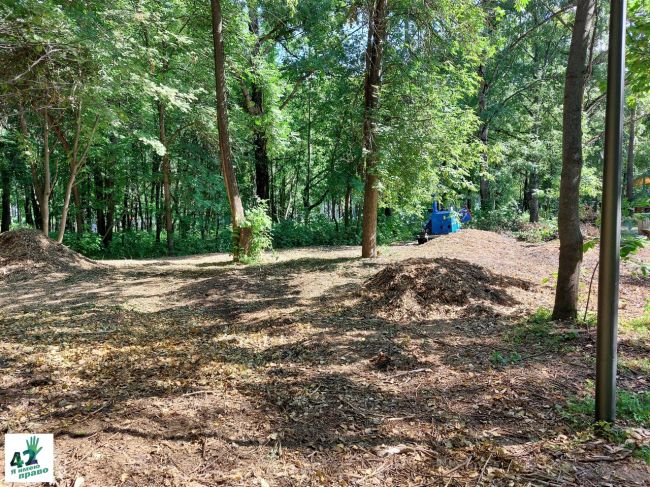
x=635, y=365
x=638, y=325
x=498, y=358
x=539, y=329
x=631, y=407
x=643, y=453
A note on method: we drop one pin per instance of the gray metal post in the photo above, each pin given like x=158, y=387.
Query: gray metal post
x=610, y=232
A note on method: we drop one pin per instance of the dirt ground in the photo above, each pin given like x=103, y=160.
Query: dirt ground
x=305, y=371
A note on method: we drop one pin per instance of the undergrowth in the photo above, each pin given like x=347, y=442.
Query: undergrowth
x=632, y=411
x=539, y=329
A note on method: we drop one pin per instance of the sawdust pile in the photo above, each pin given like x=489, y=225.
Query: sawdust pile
x=418, y=286
x=28, y=252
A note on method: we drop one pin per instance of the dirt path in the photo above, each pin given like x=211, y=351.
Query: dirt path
x=192, y=371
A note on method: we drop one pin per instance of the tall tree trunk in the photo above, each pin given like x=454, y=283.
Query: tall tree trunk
x=347, y=205
x=306, y=194
x=568, y=280
x=109, y=192
x=38, y=220
x=41, y=188
x=629, y=172
x=158, y=216
x=100, y=198
x=484, y=186
x=79, y=217
x=166, y=174
x=6, y=200
x=262, y=173
x=66, y=206
x=241, y=237
x=75, y=161
x=44, y=188
x=533, y=202
x=374, y=52
x=254, y=102
x=533, y=182
x=29, y=218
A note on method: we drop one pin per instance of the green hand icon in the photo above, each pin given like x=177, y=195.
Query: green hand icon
x=32, y=450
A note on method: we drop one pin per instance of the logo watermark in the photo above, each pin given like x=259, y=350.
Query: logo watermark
x=29, y=458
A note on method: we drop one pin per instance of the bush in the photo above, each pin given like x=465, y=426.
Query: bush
x=543, y=231
x=259, y=221
x=508, y=218
x=320, y=231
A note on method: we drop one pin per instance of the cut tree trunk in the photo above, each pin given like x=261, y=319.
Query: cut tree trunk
x=568, y=280
x=374, y=53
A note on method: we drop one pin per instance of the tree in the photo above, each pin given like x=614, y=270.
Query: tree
x=241, y=236
x=629, y=170
x=568, y=280
x=76, y=159
x=377, y=18
x=5, y=176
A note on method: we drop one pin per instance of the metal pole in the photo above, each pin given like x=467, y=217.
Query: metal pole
x=610, y=231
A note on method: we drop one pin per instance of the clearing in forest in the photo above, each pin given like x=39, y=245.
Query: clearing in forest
x=420, y=367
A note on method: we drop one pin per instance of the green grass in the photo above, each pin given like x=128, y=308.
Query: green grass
x=632, y=410
x=631, y=407
x=498, y=358
x=539, y=329
x=643, y=453
x=638, y=325
x=635, y=365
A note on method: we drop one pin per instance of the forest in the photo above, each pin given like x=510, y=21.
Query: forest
x=209, y=236
x=120, y=100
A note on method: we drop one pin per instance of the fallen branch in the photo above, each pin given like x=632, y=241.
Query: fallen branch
x=416, y=371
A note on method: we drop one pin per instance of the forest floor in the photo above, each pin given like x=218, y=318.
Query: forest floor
x=420, y=367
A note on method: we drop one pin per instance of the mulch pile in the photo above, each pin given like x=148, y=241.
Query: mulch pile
x=418, y=286
x=26, y=252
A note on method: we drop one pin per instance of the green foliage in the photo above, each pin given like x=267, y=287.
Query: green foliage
x=540, y=330
x=88, y=244
x=507, y=217
x=636, y=366
x=630, y=246
x=319, y=231
x=643, y=453
x=498, y=358
x=295, y=78
x=631, y=407
x=543, y=231
x=259, y=221
x=143, y=245
x=639, y=325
